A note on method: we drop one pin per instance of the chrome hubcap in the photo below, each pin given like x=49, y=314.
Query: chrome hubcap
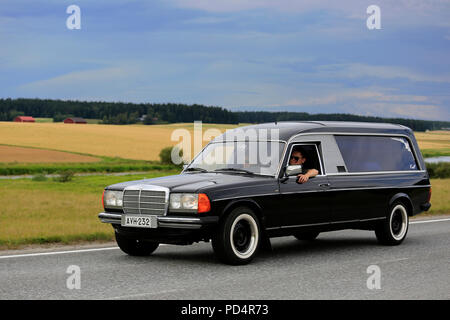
x=244, y=236
x=399, y=222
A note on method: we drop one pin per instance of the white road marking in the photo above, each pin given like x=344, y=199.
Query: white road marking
x=116, y=248
x=428, y=221
x=145, y=294
x=393, y=260
x=57, y=252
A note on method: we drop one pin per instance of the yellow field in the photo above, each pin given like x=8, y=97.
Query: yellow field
x=437, y=140
x=137, y=142
x=31, y=155
x=131, y=141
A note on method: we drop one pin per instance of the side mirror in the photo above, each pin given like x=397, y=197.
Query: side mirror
x=293, y=170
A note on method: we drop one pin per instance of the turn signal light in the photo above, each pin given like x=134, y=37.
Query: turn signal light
x=204, y=205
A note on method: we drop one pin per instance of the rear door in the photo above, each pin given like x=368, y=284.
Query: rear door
x=374, y=168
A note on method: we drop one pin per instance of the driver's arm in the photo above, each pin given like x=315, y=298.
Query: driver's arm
x=302, y=178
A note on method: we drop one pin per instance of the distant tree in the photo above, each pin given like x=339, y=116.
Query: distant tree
x=165, y=155
x=61, y=117
x=13, y=114
x=126, y=113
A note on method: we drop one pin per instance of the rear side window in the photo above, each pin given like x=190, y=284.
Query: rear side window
x=374, y=153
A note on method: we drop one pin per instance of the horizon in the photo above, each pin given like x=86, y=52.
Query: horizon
x=233, y=111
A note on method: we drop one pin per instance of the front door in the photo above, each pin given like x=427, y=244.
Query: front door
x=309, y=202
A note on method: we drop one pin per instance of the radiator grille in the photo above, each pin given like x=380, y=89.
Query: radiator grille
x=144, y=201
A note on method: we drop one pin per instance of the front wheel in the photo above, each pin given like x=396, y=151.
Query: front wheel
x=238, y=237
x=135, y=247
x=393, y=230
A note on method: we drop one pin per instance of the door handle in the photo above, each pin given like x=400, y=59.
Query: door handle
x=322, y=185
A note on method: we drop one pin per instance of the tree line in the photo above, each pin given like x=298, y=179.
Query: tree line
x=156, y=113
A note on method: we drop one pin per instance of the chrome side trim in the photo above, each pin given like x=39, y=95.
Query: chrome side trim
x=375, y=172
x=178, y=225
x=179, y=220
x=324, y=223
x=324, y=190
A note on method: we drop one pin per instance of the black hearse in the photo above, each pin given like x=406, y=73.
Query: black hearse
x=242, y=189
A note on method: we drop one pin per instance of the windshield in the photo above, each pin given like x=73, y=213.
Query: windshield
x=257, y=157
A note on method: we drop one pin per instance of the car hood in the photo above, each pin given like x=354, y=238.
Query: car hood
x=193, y=182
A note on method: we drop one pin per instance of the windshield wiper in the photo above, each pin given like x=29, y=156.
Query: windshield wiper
x=235, y=170
x=196, y=169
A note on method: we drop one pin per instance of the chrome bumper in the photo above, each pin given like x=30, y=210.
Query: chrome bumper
x=163, y=221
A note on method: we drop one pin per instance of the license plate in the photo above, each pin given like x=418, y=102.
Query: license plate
x=139, y=221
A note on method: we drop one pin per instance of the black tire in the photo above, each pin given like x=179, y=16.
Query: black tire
x=392, y=231
x=135, y=247
x=307, y=236
x=238, y=237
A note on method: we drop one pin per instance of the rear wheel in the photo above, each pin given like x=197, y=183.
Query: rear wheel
x=135, y=247
x=238, y=237
x=393, y=230
x=307, y=236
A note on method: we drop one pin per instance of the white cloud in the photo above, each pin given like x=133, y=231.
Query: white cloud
x=360, y=70
x=81, y=83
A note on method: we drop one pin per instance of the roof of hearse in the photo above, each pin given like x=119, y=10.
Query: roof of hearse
x=287, y=129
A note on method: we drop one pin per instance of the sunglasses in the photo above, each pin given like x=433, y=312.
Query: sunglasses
x=295, y=158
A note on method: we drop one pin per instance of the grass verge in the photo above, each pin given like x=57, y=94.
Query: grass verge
x=41, y=212
x=106, y=165
x=431, y=153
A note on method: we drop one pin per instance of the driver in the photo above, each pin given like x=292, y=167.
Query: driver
x=299, y=157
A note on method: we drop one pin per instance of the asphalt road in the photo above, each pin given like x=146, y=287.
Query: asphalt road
x=332, y=267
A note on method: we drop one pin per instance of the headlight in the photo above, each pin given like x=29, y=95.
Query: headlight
x=189, y=202
x=184, y=201
x=113, y=199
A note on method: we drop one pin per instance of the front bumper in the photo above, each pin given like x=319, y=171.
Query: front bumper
x=166, y=221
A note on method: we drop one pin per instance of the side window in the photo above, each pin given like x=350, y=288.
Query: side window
x=376, y=153
x=308, y=151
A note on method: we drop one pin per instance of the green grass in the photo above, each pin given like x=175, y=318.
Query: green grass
x=105, y=165
x=440, y=197
x=43, y=120
x=431, y=153
x=47, y=211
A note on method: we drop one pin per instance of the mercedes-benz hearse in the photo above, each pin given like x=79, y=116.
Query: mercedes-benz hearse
x=242, y=189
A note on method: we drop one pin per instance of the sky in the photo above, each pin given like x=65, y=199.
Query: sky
x=283, y=55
